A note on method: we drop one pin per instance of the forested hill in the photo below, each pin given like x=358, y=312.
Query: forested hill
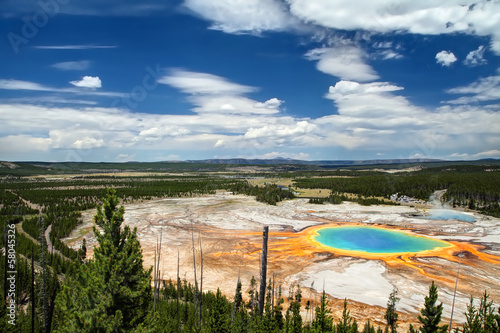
x=20, y=169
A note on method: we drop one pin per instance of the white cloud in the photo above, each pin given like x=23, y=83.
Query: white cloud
x=419, y=17
x=72, y=65
x=483, y=90
x=203, y=83
x=298, y=128
x=214, y=94
x=272, y=103
x=28, y=85
x=23, y=143
x=219, y=143
x=74, y=47
x=88, y=82
x=347, y=62
x=494, y=153
x=387, y=55
x=445, y=58
x=475, y=57
x=275, y=155
x=22, y=85
x=87, y=143
x=343, y=88
x=125, y=157
x=244, y=16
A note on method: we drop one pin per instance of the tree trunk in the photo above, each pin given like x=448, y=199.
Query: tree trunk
x=44, y=282
x=32, y=291
x=263, y=270
x=201, y=283
x=178, y=282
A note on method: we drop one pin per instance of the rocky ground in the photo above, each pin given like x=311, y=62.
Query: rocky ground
x=230, y=229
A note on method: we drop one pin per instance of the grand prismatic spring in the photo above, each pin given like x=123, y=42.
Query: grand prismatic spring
x=365, y=239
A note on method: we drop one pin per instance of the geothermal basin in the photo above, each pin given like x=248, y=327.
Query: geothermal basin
x=230, y=229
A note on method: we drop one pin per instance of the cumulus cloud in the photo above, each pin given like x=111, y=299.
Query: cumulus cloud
x=244, y=16
x=445, y=58
x=347, y=62
x=419, y=17
x=88, y=82
x=272, y=103
x=72, y=65
x=343, y=88
x=475, y=57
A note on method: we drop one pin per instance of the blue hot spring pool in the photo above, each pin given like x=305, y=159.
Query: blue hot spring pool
x=448, y=214
x=375, y=240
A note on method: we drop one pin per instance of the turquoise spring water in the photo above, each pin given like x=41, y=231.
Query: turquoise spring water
x=448, y=214
x=375, y=240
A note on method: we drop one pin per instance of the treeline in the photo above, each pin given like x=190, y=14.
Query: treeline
x=337, y=199
x=270, y=193
x=477, y=187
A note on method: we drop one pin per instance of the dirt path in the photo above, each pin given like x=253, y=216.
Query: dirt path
x=19, y=228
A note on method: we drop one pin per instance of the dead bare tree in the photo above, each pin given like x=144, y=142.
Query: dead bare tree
x=237, y=297
x=178, y=282
x=194, y=268
x=32, y=290
x=201, y=282
x=263, y=270
x=157, y=270
x=44, y=282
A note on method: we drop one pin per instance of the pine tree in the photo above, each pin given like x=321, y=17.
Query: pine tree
x=391, y=315
x=218, y=320
x=323, y=321
x=347, y=324
x=296, y=319
x=431, y=313
x=111, y=292
x=472, y=323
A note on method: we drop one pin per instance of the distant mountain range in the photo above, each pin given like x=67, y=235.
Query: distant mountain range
x=280, y=161
x=40, y=168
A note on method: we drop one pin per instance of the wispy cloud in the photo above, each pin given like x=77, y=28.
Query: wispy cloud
x=215, y=94
x=475, y=57
x=72, y=65
x=483, y=90
x=7, y=84
x=74, y=47
x=203, y=83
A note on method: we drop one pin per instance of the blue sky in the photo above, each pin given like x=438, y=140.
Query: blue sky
x=159, y=80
